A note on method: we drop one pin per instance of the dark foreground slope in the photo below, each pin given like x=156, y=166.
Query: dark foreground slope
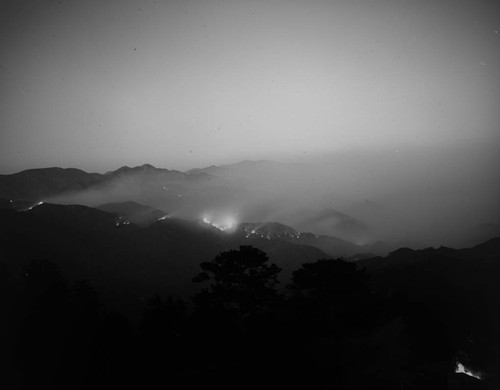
x=88, y=243
x=460, y=286
x=70, y=276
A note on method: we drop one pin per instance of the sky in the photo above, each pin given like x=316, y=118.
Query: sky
x=183, y=84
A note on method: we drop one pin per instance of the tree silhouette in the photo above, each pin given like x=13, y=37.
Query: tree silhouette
x=164, y=318
x=240, y=296
x=329, y=279
x=163, y=330
x=40, y=344
x=240, y=280
x=233, y=318
x=42, y=277
x=84, y=321
x=331, y=296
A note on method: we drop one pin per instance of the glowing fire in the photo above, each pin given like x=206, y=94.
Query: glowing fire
x=227, y=223
x=29, y=208
x=461, y=369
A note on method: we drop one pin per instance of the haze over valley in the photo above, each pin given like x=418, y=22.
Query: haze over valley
x=249, y=194
x=440, y=195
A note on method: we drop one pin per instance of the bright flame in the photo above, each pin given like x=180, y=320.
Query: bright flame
x=461, y=369
x=224, y=224
x=29, y=208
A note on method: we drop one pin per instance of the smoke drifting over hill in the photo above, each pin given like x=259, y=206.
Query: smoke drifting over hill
x=305, y=191
x=418, y=196
x=380, y=116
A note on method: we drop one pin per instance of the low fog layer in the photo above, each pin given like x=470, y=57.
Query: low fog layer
x=417, y=196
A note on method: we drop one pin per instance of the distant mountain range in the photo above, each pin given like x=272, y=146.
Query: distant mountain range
x=294, y=195
x=243, y=185
x=326, y=221
x=243, y=170
x=40, y=184
x=37, y=184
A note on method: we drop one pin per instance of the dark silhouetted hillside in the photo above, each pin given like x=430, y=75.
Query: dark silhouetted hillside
x=45, y=183
x=39, y=184
x=88, y=243
x=133, y=212
x=460, y=286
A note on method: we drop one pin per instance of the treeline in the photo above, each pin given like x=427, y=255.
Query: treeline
x=329, y=331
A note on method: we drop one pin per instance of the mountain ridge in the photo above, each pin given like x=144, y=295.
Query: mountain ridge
x=42, y=183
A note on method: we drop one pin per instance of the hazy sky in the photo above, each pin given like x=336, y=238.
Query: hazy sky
x=179, y=84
